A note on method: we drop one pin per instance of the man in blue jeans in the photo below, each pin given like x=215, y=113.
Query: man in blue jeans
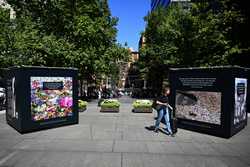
x=163, y=112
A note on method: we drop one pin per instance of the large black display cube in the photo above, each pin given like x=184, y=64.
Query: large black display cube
x=210, y=100
x=248, y=90
x=40, y=97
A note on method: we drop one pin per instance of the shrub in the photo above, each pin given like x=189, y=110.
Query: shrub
x=82, y=104
x=110, y=103
x=142, y=104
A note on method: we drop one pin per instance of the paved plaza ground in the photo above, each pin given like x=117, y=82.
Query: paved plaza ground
x=119, y=140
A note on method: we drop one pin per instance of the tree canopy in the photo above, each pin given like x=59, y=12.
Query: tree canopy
x=68, y=33
x=206, y=34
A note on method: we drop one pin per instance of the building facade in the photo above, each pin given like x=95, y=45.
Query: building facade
x=125, y=67
x=165, y=3
x=157, y=3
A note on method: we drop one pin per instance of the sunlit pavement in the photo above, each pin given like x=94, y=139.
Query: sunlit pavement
x=119, y=140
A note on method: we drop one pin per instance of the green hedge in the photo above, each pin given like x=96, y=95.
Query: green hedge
x=82, y=104
x=142, y=104
x=110, y=103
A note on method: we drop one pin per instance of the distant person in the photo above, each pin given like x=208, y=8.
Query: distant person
x=163, y=112
x=99, y=93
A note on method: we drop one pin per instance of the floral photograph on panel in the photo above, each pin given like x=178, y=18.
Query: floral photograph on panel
x=51, y=97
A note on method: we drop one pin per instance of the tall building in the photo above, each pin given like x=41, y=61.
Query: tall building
x=157, y=3
x=142, y=41
x=166, y=3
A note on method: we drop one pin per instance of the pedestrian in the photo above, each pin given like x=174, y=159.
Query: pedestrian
x=163, y=111
x=99, y=93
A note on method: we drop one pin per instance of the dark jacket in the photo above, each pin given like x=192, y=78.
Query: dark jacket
x=162, y=99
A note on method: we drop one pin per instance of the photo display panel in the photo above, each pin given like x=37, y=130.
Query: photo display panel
x=198, y=99
x=51, y=97
x=211, y=100
x=240, y=100
x=199, y=106
x=11, y=98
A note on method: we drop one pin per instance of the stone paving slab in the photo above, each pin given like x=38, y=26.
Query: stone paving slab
x=61, y=159
x=206, y=149
x=164, y=148
x=65, y=145
x=107, y=135
x=212, y=161
x=149, y=160
x=119, y=140
x=67, y=132
x=9, y=143
x=130, y=146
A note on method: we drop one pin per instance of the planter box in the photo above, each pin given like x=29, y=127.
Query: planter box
x=82, y=105
x=110, y=105
x=210, y=100
x=143, y=110
x=104, y=109
x=40, y=97
x=142, y=106
x=82, y=109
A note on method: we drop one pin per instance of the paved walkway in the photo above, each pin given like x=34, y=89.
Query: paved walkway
x=119, y=140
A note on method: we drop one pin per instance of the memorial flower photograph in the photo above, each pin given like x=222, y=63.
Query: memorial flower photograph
x=199, y=106
x=51, y=97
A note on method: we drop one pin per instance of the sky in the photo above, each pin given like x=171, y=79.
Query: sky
x=131, y=22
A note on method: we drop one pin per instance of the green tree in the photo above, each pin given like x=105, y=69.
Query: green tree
x=208, y=34
x=4, y=38
x=94, y=34
x=235, y=15
x=78, y=33
x=164, y=36
x=219, y=39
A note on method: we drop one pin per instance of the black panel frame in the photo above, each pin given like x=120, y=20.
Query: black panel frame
x=24, y=123
x=225, y=82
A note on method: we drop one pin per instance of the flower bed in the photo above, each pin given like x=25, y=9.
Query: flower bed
x=82, y=105
x=110, y=105
x=142, y=106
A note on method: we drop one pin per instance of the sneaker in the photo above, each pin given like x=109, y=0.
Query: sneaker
x=172, y=135
x=156, y=130
x=166, y=131
x=150, y=127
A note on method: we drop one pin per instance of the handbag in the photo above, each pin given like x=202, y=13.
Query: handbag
x=156, y=106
